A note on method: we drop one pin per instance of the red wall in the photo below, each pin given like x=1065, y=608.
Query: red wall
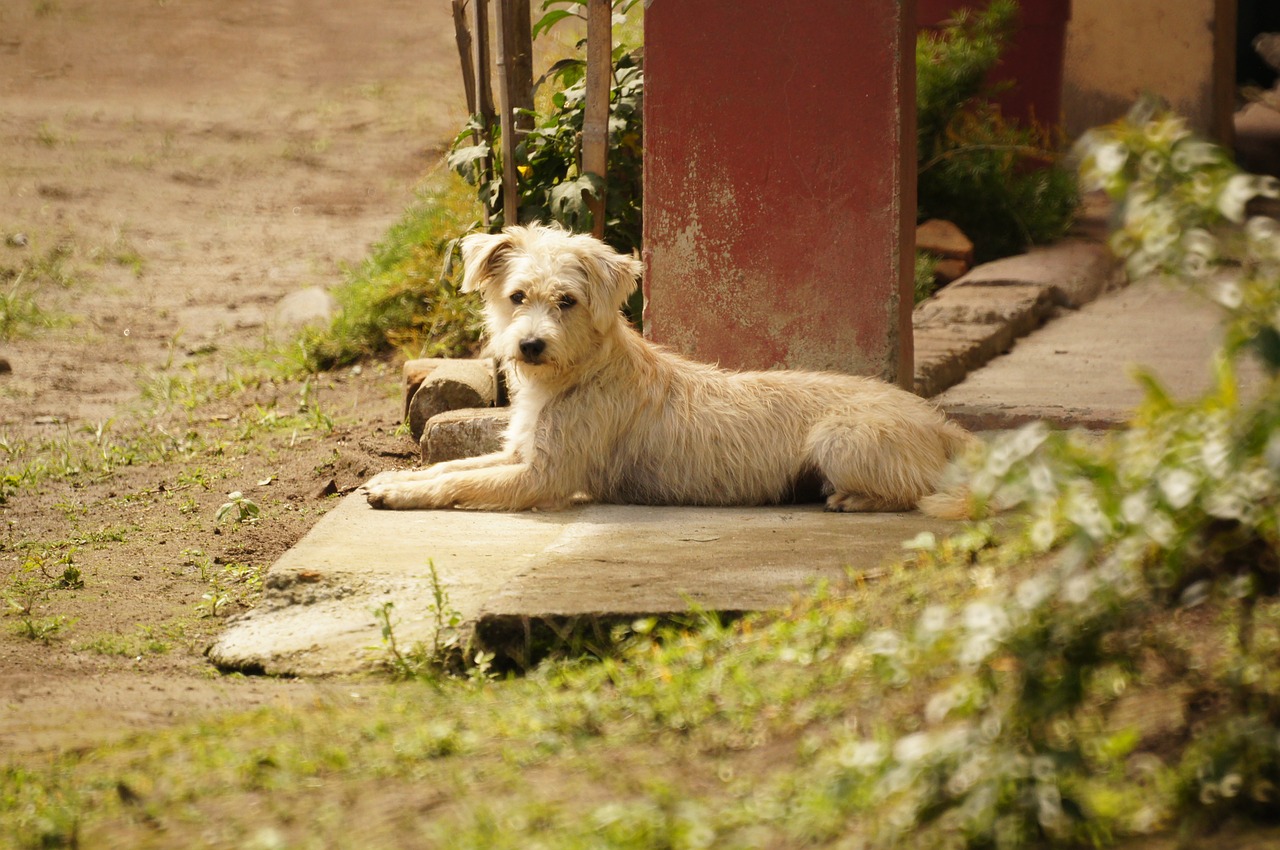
x=780, y=184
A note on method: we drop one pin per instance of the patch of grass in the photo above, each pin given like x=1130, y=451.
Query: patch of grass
x=42, y=629
x=926, y=268
x=20, y=315
x=404, y=296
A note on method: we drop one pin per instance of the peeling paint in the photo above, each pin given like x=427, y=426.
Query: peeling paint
x=774, y=220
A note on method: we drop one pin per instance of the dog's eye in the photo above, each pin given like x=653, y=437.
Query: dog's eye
x=566, y=301
x=517, y=298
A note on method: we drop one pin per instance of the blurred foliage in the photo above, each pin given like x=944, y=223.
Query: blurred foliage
x=1134, y=531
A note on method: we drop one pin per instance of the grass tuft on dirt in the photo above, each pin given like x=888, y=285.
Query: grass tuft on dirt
x=404, y=297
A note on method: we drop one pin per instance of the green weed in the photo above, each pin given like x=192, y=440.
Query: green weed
x=43, y=629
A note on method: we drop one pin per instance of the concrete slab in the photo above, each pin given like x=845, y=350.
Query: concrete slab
x=1077, y=371
x=316, y=614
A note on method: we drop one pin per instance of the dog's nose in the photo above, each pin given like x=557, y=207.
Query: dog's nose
x=532, y=348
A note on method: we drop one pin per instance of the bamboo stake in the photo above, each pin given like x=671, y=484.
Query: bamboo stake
x=483, y=92
x=595, y=119
x=463, y=36
x=506, y=115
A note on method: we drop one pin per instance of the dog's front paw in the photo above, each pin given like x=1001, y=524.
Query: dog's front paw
x=404, y=496
x=377, y=494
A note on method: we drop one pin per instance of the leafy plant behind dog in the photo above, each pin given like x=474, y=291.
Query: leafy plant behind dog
x=1002, y=183
x=551, y=183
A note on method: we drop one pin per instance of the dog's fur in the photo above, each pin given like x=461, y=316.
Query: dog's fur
x=600, y=413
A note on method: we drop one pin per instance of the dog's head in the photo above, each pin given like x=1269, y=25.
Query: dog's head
x=550, y=296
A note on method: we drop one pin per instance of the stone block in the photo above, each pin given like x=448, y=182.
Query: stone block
x=464, y=433
x=1074, y=271
x=945, y=354
x=452, y=384
x=415, y=372
x=1021, y=308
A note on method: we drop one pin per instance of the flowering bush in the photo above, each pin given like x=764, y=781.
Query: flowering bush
x=1174, y=521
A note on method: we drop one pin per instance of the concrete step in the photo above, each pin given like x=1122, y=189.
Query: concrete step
x=506, y=574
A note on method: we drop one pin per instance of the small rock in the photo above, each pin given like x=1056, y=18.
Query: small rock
x=310, y=306
x=945, y=240
x=5, y=366
x=453, y=385
x=946, y=271
x=325, y=490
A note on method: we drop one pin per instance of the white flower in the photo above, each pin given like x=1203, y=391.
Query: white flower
x=1160, y=528
x=1041, y=478
x=934, y=619
x=1077, y=589
x=939, y=706
x=1135, y=507
x=862, y=755
x=1190, y=154
x=1235, y=194
x=912, y=748
x=883, y=642
x=1197, y=240
x=1215, y=454
x=1032, y=592
x=1168, y=130
x=1109, y=158
x=976, y=649
x=1262, y=229
x=1028, y=438
x=1083, y=510
x=1228, y=293
x=1043, y=534
x=1178, y=487
x=985, y=618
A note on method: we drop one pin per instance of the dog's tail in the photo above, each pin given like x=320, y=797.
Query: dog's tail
x=955, y=502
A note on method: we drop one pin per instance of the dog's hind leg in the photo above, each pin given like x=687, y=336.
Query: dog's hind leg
x=876, y=463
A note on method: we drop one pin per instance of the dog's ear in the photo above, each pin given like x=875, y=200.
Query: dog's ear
x=613, y=278
x=483, y=257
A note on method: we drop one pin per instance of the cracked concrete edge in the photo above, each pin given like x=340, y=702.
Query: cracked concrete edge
x=981, y=315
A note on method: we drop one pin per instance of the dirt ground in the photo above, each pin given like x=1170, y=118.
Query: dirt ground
x=170, y=169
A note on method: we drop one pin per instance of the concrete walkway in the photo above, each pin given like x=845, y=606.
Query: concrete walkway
x=316, y=617
x=1077, y=371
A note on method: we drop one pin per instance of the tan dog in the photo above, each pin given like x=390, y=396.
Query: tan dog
x=600, y=413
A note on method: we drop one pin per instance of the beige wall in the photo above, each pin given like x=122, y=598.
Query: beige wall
x=1181, y=50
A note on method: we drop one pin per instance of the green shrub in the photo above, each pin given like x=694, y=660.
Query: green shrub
x=404, y=296
x=1001, y=183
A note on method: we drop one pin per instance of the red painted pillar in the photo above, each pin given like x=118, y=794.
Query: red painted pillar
x=779, y=183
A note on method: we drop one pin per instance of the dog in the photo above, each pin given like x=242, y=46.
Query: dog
x=599, y=413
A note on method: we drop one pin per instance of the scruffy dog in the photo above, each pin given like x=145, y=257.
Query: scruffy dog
x=600, y=413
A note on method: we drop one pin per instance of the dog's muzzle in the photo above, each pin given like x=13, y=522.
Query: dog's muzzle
x=531, y=349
